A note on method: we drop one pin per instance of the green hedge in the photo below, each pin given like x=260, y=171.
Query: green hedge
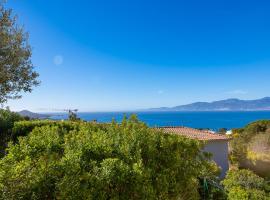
x=23, y=128
x=244, y=136
x=74, y=160
x=244, y=184
x=7, y=120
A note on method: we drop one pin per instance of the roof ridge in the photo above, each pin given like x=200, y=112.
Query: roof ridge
x=194, y=133
x=202, y=130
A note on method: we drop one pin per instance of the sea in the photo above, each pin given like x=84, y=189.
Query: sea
x=205, y=120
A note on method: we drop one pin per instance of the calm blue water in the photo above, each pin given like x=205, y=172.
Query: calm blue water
x=212, y=120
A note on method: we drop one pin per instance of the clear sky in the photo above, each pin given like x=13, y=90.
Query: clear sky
x=98, y=55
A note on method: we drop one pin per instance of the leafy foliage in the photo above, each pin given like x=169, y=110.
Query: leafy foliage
x=244, y=184
x=72, y=115
x=247, y=137
x=7, y=120
x=23, y=128
x=211, y=190
x=79, y=160
x=16, y=68
x=222, y=131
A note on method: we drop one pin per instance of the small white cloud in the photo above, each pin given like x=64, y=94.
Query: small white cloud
x=58, y=60
x=235, y=92
x=160, y=92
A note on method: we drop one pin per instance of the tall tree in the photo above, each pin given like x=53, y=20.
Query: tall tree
x=16, y=69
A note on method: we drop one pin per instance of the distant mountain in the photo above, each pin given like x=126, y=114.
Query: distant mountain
x=223, y=105
x=27, y=113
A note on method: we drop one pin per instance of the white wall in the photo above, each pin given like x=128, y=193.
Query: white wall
x=219, y=150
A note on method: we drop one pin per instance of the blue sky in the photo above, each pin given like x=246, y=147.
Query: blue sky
x=98, y=55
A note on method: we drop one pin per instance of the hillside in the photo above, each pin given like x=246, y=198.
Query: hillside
x=250, y=147
x=223, y=105
x=27, y=113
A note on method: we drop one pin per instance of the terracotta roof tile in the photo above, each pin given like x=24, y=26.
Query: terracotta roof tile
x=193, y=133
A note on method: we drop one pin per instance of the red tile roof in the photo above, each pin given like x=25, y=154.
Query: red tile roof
x=193, y=133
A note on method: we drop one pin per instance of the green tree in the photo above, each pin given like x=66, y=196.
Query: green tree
x=250, y=147
x=102, y=161
x=7, y=120
x=244, y=184
x=16, y=69
x=222, y=131
x=72, y=115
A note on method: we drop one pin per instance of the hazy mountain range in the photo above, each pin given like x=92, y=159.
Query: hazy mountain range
x=223, y=105
x=27, y=113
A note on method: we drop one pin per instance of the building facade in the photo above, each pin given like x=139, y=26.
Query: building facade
x=216, y=144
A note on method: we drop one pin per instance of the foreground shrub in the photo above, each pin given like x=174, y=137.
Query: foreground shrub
x=243, y=136
x=244, y=184
x=7, y=120
x=23, y=128
x=250, y=147
x=126, y=161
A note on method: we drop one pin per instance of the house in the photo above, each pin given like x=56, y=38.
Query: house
x=216, y=144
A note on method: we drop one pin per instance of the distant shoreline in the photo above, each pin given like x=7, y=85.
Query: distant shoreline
x=157, y=111
x=212, y=120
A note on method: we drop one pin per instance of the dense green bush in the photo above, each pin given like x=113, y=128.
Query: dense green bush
x=7, y=120
x=112, y=161
x=244, y=184
x=23, y=128
x=211, y=190
x=250, y=147
x=243, y=136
